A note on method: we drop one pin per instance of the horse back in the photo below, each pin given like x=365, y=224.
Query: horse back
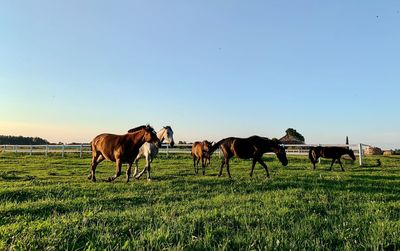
x=243, y=148
x=333, y=152
x=197, y=149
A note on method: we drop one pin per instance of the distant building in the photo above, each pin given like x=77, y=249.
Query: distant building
x=292, y=137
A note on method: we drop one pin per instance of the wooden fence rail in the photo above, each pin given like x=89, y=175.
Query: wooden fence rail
x=165, y=149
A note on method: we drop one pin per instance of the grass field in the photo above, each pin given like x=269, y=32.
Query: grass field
x=48, y=204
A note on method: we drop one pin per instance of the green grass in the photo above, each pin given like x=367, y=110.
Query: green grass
x=48, y=204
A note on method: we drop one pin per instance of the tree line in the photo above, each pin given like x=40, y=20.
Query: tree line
x=20, y=140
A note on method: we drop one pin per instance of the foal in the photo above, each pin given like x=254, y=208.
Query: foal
x=200, y=150
x=329, y=152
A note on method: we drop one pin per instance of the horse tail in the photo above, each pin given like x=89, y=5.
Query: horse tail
x=214, y=147
x=312, y=155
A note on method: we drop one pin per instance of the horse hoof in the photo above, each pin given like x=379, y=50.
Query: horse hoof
x=148, y=179
x=89, y=177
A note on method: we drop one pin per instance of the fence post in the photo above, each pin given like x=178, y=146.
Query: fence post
x=47, y=149
x=360, y=154
x=167, y=151
x=15, y=148
x=319, y=159
x=62, y=151
x=30, y=151
x=80, y=151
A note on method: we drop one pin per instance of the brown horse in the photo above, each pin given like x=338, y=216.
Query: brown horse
x=331, y=152
x=249, y=148
x=120, y=149
x=200, y=151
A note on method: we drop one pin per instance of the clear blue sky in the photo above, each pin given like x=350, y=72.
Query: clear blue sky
x=211, y=69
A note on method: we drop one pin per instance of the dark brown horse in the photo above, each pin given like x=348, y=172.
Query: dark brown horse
x=249, y=148
x=330, y=152
x=120, y=149
x=200, y=152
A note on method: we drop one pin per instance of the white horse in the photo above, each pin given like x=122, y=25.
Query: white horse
x=150, y=150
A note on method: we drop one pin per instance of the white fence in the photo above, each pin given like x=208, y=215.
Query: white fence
x=165, y=149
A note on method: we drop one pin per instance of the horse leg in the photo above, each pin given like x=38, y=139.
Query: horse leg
x=194, y=164
x=340, y=163
x=203, y=165
x=96, y=159
x=314, y=162
x=264, y=165
x=252, y=167
x=148, y=172
x=128, y=171
x=93, y=166
x=141, y=173
x=145, y=168
x=136, y=167
x=333, y=161
x=227, y=169
x=222, y=166
x=197, y=165
x=118, y=165
x=148, y=162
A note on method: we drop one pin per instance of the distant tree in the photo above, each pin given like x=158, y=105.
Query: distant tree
x=294, y=133
x=20, y=140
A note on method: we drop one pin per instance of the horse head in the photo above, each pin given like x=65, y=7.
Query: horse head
x=281, y=154
x=206, y=145
x=167, y=135
x=351, y=154
x=150, y=135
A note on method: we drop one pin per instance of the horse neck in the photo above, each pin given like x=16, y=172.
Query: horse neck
x=349, y=152
x=137, y=136
x=269, y=146
x=160, y=134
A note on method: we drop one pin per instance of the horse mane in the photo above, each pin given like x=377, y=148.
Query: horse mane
x=140, y=128
x=168, y=128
